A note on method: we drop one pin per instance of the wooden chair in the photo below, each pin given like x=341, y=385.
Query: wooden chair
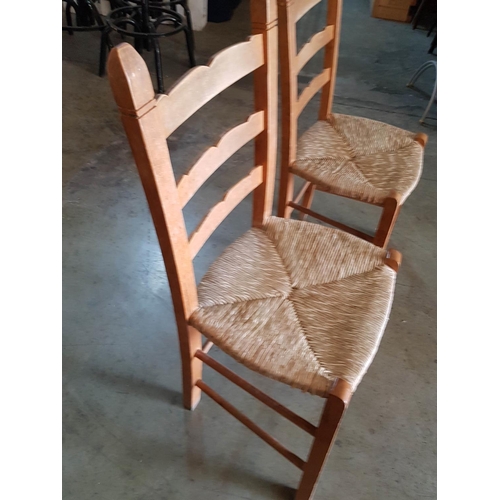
x=357, y=158
x=295, y=301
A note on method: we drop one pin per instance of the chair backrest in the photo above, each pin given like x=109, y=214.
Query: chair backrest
x=150, y=119
x=289, y=13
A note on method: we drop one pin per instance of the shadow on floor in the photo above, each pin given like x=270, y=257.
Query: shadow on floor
x=124, y=384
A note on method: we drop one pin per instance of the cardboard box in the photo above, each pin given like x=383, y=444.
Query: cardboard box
x=394, y=10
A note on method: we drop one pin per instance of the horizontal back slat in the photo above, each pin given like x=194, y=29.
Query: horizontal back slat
x=317, y=42
x=203, y=83
x=316, y=84
x=215, y=156
x=301, y=7
x=220, y=211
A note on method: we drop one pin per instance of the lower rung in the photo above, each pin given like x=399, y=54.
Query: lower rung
x=297, y=461
x=301, y=193
x=332, y=222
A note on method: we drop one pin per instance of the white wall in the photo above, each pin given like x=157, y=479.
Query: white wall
x=198, y=13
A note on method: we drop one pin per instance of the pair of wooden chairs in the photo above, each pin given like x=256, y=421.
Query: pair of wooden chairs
x=298, y=302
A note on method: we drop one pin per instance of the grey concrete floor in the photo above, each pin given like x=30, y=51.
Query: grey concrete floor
x=125, y=433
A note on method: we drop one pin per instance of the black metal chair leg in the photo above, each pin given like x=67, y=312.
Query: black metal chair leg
x=187, y=15
x=190, y=43
x=138, y=44
x=105, y=45
x=158, y=65
x=96, y=14
x=189, y=34
x=146, y=16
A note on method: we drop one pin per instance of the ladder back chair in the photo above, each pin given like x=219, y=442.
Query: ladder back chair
x=354, y=157
x=295, y=301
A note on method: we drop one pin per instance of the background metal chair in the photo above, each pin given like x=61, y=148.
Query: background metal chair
x=146, y=21
x=87, y=18
x=411, y=84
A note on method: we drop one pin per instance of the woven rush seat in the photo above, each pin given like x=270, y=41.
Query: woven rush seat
x=298, y=302
x=359, y=158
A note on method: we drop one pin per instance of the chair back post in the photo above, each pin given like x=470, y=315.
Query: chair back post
x=291, y=63
x=264, y=17
x=149, y=121
x=289, y=94
x=333, y=18
x=133, y=92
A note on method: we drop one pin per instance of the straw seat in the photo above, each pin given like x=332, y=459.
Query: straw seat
x=359, y=158
x=298, y=302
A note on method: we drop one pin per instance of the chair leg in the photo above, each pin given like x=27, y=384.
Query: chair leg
x=105, y=45
x=308, y=199
x=191, y=367
x=431, y=101
x=333, y=411
x=387, y=220
x=286, y=195
x=189, y=34
x=190, y=47
x=158, y=66
x=96, y=14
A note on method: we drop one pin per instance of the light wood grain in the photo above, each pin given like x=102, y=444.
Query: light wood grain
x=332, y=222
x=422, y=139
x=301, y=7
x=290, y=11
x=203, y=83
x=308, y=93
x=301, y=193
x=261, y=396
x=132, y=87
x=330, y=59
x=215, y=156
x=333, y=411
x=294, y=459
x=390, y=212
x=316, y=43
x=264, y=16
x=219, y=212
x=308, y=199
x=393, y=259
x=207, y=346
x=289, y=93
x=291, y=64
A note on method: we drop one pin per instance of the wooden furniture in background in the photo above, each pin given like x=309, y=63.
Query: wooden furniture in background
x=300, y=303
x=393, y=10
x=357, y=158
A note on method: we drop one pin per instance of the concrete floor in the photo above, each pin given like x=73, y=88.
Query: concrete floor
x=126, y=435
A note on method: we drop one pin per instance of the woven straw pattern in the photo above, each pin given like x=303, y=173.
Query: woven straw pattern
x=359, y=158
x=298, y=302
